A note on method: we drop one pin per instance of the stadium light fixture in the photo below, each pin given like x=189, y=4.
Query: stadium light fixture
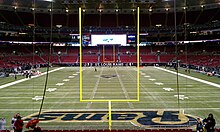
x=59, y=26
x=214, y=21
x=186, y=24
x=100, y=10
x=158, y=25
x=67, y=10
x=59, y=53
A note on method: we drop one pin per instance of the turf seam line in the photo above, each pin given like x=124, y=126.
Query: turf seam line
x=94, y=90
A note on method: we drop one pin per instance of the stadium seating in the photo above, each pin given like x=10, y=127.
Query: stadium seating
x=90, y=59
x=128, y=58
x=69, y=59
x=149, y=58
x=14, y=56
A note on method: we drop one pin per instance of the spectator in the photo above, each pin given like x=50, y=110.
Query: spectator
x=13, y=119
x=2, y=124
x=199, y=126
x=209, y=123
x=15, y=76
x=19, y=124
x=33, y=124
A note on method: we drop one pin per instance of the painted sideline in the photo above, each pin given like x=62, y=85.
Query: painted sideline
x=25, y=79
x=193, y=78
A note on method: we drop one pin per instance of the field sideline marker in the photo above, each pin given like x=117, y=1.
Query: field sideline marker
x=192, y=78
x=25, y=79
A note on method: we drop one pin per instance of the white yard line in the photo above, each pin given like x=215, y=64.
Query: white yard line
x=112, y=98
x=124, y=89
x=25, y=79
x=94, y=90
x=57, y=104
x=189, y=77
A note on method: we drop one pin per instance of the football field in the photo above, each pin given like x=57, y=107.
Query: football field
x=161, y=92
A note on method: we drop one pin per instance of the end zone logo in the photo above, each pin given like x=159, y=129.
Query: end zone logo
x=147, y=119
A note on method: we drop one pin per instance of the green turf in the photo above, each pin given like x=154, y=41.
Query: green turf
x=202, y=98
x=10, y=79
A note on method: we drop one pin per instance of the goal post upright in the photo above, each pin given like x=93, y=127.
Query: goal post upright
x=80, y=51
x=109, y=101
x=138, y=54
x=109, y=115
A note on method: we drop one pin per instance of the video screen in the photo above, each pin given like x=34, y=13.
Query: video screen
x=108, y=39
x=86, y=39
x=131, y=39
x=75, y=38
x=143, y=38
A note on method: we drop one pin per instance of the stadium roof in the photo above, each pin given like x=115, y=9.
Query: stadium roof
x=108, y=6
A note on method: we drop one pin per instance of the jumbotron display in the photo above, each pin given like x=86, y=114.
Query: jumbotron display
x=109, y=39
x=103, y=39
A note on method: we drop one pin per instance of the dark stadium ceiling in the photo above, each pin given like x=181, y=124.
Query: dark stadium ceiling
x=108, y=6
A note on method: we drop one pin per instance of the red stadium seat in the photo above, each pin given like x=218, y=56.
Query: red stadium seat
x=185, y=130
x=93, y=130
x=154, y=130
x=114, y=131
